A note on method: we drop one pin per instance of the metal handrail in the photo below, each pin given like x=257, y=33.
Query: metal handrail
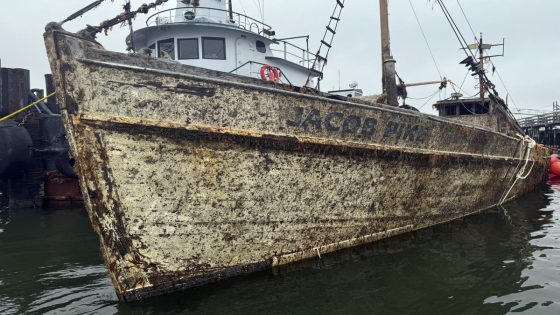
x=540, y=120
x=303, y=56
x=302, y=61
x=240, y=20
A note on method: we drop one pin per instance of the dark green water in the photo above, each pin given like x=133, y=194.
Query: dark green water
x=486, y=264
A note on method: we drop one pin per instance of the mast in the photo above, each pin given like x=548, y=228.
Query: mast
x=230, y=10
x=480, y=77
x=388, y=63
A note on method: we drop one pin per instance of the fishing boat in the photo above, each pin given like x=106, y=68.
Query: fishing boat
x=197, y=163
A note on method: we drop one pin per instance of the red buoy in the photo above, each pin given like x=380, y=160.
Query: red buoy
x=555, y=168
x=270, y=73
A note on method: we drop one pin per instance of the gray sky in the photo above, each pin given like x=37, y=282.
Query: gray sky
x=530, y=69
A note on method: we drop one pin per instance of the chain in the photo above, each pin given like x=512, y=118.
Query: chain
x=24, y=119
x=92, y=31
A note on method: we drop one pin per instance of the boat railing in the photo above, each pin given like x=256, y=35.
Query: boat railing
x=210, y=16
x=540, y=120
x=291, y=52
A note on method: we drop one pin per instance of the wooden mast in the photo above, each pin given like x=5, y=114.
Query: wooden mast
x=388, y=65
x=480, y=76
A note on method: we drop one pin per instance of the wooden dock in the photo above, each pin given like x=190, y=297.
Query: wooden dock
x=545, y=128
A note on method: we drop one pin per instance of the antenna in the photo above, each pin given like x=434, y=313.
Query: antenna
x=478, y=68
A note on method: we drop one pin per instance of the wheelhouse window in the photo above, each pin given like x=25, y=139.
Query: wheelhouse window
x=261, y=47
x=450, y=110
x=166, y=48
x=466, y=109
x=213, y=48
x=188, y=48
x=481, y=109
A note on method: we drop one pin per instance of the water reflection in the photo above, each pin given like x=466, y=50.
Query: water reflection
x=487, y=264
x=50, y=264
x=539, y=282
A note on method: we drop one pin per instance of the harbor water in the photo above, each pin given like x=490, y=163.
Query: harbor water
x=496, y=262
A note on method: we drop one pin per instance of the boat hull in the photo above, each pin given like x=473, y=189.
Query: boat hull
x=190, y=176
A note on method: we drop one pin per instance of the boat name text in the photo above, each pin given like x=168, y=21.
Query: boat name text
x=356, y=125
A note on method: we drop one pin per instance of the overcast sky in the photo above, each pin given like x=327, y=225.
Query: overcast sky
x=530, y=68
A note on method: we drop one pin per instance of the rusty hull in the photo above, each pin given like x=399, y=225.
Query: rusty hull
x=190, y=175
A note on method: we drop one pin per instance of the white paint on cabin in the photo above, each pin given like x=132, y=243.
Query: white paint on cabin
x=206, y=37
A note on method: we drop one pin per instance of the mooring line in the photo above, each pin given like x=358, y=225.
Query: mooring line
x=26, y=107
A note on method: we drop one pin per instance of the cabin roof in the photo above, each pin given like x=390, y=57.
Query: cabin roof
x=175, y=26
x=460, y=101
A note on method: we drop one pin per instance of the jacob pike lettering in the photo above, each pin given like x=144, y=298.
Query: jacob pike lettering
x=348, y=124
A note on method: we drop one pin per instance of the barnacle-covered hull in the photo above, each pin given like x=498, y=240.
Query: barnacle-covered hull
x=190, y=176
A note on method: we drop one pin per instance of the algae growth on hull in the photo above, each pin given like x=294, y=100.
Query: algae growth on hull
x=227, y=177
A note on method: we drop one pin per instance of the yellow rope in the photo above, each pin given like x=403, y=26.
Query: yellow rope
x=26, y=107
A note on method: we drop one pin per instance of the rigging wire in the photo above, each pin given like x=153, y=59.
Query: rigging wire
x=539, y=107
x=464, y=79
x=242, y=7
x=456, y=30
x=488, y=85
x=453, y=86
x=420, y=98
x=504, y=85
x=467, y=19
x=489, y=59
x=425, y=39
x=431, y=97
x=259, y=7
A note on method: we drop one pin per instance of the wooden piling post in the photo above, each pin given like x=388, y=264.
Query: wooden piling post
x=3, y=182
x=1, y=97
x=15, y=91
x=25, y=189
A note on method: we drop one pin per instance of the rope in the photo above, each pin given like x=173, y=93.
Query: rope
x=26, y=107
x=521, y=175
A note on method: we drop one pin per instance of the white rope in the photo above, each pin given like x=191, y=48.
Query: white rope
x=521, y=175
x=318, y=252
